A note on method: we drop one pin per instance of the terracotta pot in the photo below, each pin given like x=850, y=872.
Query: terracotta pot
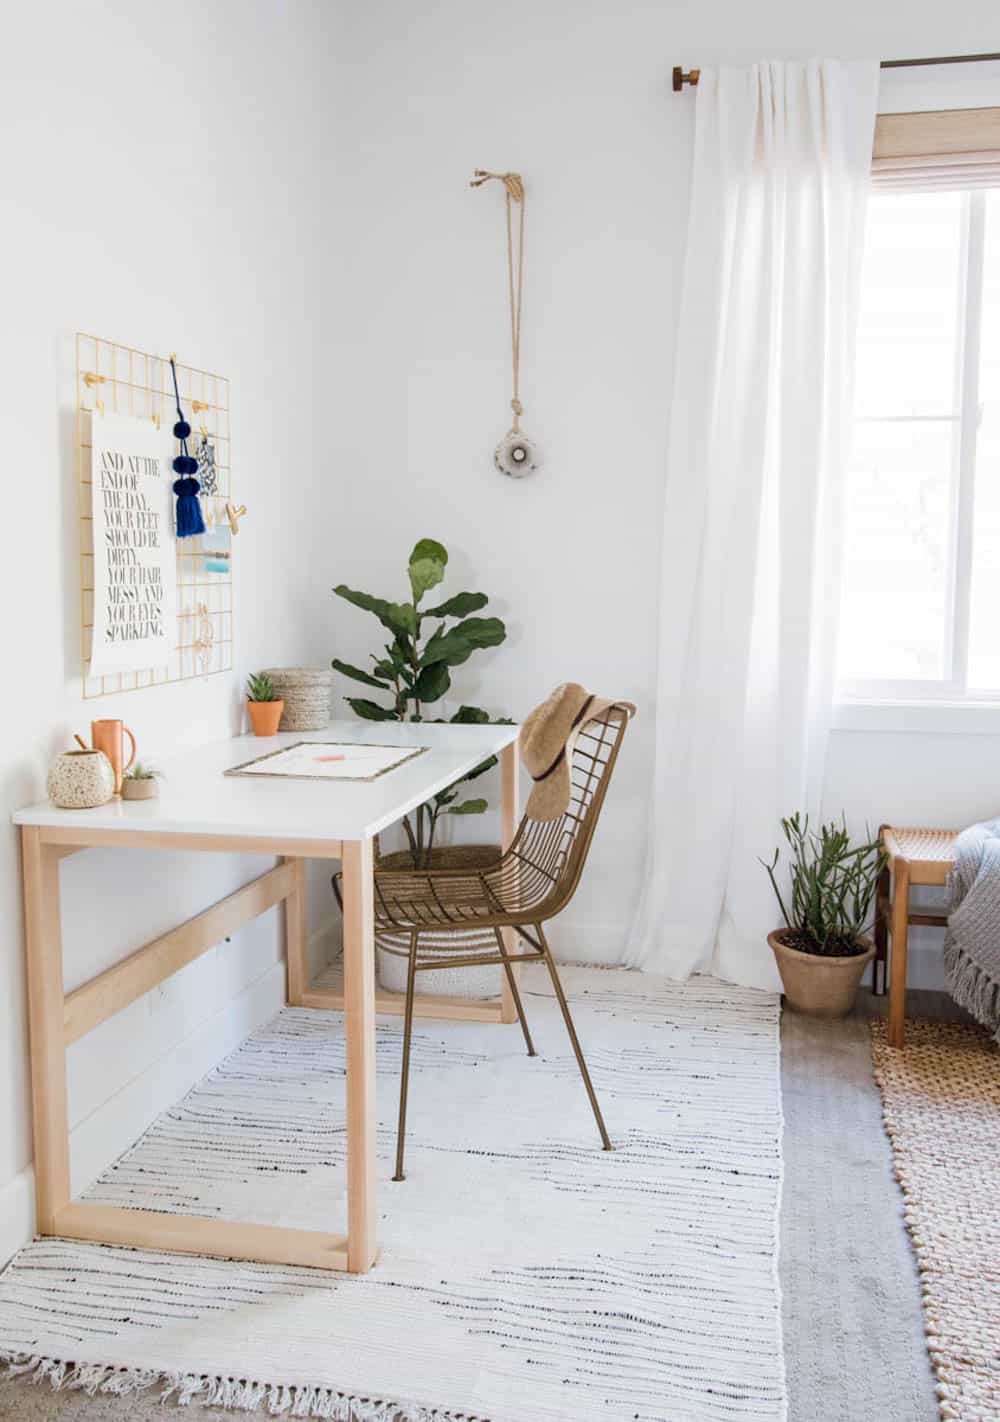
x=264, y=716
x=815, y=985
x=144, y=789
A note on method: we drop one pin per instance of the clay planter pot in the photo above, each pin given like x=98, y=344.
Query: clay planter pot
x=264, y=716
x=144, y=789
x=817, y=986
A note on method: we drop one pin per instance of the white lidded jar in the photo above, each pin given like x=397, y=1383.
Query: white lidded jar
x=80, y=780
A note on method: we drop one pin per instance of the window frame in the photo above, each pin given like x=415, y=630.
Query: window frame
x=964, y=417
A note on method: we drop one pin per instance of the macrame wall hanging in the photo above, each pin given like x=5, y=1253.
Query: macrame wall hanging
x=515, y=455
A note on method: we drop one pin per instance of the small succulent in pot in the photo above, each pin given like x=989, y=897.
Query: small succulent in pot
x=824, y=949
x=260, y=687
x=140, y=782
x=263, y=707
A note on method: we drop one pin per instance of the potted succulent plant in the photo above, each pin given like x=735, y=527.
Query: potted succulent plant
x=140, y=782
x=823, y=949
x=263, y=708
x=413, y=671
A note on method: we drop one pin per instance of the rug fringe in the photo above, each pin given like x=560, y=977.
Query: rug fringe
x=237, y=1394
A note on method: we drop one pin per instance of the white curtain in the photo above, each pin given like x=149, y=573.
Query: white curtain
x=760, y=420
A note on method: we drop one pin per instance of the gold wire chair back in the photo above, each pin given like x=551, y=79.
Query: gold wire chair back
x=538, y=874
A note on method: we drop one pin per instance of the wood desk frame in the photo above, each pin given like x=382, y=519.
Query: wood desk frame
x=57, y=1018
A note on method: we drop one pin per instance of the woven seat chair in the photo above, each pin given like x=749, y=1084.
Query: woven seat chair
x=449, y=918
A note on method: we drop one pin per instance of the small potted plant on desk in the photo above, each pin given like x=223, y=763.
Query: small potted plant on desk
x=263, y=708
x=140, y=782
x=824, y=949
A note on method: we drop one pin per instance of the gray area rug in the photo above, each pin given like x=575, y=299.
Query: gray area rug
x=853, y=1325
x=854, y=1336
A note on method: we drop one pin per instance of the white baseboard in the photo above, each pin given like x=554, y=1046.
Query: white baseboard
x=17, y=1213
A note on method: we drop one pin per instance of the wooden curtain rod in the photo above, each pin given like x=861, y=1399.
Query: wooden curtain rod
x=691, y=76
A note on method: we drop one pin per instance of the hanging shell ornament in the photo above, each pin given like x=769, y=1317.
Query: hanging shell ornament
x=516, y=455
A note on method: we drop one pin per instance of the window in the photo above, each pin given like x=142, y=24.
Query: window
x=921, y=591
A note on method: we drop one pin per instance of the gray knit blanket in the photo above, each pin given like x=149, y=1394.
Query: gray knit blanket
x=972, y=941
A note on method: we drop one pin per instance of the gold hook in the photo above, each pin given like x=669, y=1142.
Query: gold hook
x=91, y=379
x=197, y=405
x=234, y=515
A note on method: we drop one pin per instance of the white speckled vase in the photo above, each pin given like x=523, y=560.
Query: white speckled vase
x=80, y=780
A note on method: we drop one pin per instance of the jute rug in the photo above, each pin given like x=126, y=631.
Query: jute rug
x=526, y=1275
x=941, y=1099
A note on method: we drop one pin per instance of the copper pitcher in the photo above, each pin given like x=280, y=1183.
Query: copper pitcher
x=109, y=737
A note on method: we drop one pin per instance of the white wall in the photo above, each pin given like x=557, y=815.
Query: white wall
x=577, y=98
x=301, y=221
x=165, y=185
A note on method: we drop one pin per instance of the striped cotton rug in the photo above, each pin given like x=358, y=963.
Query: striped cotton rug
x=526, y=1275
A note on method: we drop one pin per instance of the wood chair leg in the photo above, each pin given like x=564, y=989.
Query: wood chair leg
x=404, y=1079
x=897, y=962
x=880, y=963
x=574, y=1039
x=508, y=968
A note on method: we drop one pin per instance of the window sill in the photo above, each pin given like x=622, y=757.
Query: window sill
x=970, y=718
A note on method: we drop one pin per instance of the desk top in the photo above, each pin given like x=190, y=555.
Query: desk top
x=197, y=798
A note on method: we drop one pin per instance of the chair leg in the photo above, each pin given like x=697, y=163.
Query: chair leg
x=574, y=1039
x=883, y=894
x=508, y=968
x=897, y=962
x=404, y=1079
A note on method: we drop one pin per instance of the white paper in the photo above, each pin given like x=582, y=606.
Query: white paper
x=135, y=549
x=320, y=760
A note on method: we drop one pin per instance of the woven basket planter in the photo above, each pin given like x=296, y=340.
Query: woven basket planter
x=306, y=692
x=442, y=982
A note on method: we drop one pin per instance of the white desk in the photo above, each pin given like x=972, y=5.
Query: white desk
x=201, y=808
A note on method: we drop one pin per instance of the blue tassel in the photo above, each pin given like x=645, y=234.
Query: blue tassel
x=189, y=520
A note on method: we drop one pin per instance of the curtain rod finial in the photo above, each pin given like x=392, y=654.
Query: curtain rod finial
x=684, y=76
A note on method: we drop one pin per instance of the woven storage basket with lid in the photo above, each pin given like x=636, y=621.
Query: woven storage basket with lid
x=306, y=693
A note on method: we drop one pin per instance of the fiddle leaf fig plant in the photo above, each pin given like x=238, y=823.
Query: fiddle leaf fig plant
x=413, y=670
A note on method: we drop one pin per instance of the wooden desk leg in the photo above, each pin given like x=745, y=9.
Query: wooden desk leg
x=43, y=942
x=897, y=962
x=508, y=829
x=359, y=1029
x=296, y=919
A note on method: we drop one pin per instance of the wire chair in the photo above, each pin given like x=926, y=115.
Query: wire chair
x=451, y=918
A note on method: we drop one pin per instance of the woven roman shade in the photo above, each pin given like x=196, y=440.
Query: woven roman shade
x=953, y=148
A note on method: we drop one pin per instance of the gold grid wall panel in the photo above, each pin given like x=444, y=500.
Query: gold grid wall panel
x=126, y=381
